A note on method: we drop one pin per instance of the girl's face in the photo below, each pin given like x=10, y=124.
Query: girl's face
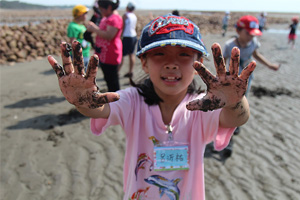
x=170, y=69
x=106, y=11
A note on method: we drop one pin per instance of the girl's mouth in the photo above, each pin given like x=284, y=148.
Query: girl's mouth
x=171, y=78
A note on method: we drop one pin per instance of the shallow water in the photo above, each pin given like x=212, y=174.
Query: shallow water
x=26, y=20
x=280, y=31
x=19, y=23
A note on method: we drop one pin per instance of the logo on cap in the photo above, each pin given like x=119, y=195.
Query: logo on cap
x=163, y=25
x=253, y=24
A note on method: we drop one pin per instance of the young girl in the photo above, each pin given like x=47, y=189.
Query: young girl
x=165, y=140
x=108, y=45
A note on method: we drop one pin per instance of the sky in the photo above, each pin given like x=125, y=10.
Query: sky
x=292, y=6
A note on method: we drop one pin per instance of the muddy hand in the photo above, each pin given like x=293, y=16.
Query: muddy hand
x=79, y=89
x=226, y=89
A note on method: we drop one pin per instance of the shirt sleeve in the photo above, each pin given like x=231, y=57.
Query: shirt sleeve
x=115, y=21
x=213, y=132
x=226, y=51
x=256, y=43
x=119, y=114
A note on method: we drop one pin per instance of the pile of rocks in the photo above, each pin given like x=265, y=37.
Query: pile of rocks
x=19, y=44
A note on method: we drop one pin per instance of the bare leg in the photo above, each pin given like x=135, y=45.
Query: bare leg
x=119, y=68
x=131, y=62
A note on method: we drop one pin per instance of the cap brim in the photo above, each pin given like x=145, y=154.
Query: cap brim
x=173, y=42
x=255, y=32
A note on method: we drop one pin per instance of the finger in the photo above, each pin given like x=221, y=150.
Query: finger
x=92, y=68
x=66, y=57
x=205, y=104
x=204, y=73
x=78, y=58
x=57, y=67
x=218, y=60
x=247, y=71
x=103, y=98
x=234, y=61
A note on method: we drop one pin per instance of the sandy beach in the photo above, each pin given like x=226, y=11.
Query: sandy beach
x=49, y=153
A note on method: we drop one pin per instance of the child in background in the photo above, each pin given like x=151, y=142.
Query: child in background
x=166, y=122
x=76, y=29
x=262, y=19
x=129, y=37
x=108, y=44
x=225, y=21
x=292, y=34
x=247, y=28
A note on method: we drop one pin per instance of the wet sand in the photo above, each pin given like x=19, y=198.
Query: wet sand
x=49, y=153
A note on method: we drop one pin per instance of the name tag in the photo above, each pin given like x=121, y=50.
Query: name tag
x=168, y=158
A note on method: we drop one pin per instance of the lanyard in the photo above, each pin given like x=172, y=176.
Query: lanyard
x=170, y=133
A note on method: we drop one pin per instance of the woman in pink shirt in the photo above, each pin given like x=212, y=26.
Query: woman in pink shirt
x=166, y=122
x=108, y=45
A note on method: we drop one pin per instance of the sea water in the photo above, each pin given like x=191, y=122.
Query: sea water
x=281, y=31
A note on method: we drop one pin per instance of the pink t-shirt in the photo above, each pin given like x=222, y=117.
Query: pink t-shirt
x=144, y=127
x=111, y=50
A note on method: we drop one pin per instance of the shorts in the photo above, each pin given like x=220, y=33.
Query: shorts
x=129, y=45
x=292, y=36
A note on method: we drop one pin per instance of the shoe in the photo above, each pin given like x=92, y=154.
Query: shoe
x=128, y=75
x=227, y=152
x=237, y=131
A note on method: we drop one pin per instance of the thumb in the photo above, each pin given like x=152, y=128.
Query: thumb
x=205, y=104
x=103, y=98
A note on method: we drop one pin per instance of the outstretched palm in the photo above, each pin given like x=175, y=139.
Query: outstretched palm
x=79, y=88
x=226, y=89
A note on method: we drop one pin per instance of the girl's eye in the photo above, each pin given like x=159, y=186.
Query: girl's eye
x=159, y=54
x=185, y=54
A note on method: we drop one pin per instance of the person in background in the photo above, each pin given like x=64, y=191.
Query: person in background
x=166, y=122
x=175, y=12
x=108, y=45
x=225, y=21
x=76, y=30
x=150, y=15
x=96, y=18
x=262, y=21
x=129, y=37
x=247, y=29
x=293, y=29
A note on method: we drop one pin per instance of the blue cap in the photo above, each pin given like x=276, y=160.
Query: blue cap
x=170, y=30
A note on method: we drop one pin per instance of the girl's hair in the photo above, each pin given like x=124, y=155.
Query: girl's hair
x=145, y=88
x=238, y=29
x=105, y=3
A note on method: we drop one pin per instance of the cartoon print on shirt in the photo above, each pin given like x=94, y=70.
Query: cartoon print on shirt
x=166, y=186
x=139, y=194
x=154, y=140
x=142, y=160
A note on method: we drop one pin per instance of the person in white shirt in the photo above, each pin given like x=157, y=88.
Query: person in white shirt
x=129, y=37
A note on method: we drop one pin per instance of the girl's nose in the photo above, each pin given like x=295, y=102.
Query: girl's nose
x=171, y=67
